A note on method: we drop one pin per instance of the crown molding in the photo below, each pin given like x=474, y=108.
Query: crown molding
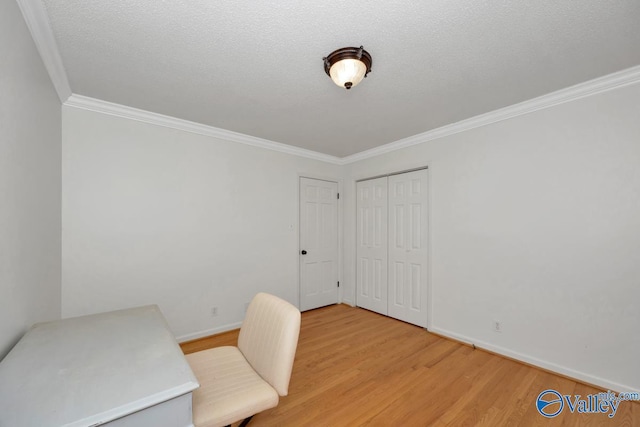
x=37, y=19
x=571, y=93
x=105, y=107
x=582, y=90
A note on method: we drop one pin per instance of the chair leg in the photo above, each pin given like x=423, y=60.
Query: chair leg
x=245, y=421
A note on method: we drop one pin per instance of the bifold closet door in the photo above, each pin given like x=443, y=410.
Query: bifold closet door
x=391, y=252
x=408, y=247
x=371, y=250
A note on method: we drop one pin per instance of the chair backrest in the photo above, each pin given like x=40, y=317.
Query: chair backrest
x=269, y=337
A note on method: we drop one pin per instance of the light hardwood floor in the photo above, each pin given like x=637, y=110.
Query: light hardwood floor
x=354, y=367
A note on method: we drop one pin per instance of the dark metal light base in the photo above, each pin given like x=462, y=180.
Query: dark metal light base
x=348, y=53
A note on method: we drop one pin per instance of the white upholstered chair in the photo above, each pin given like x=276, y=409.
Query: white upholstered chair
x=238, y=382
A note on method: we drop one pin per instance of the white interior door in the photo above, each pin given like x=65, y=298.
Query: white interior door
x=408, y=247
x=318, y=243
x=371, y=250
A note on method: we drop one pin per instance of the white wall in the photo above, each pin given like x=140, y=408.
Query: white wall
x=535, y=222
x=30, y=141
x=158, y=215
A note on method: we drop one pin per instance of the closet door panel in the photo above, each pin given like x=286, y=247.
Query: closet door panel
x=408, y=247
x=372, y=241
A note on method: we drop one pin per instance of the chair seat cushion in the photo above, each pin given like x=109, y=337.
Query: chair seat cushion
x=230, y=390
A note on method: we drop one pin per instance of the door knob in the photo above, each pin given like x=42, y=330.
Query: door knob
x=303, y=252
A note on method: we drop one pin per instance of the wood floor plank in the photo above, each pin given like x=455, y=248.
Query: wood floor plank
x=354, y=367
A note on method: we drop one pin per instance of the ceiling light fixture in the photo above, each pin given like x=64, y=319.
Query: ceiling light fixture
x=348, y=66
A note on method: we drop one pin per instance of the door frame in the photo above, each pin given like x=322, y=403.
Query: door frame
x=386, y=173
x=339, y=231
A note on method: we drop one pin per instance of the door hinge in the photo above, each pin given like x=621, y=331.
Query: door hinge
x=338, y=284
x=338, y=195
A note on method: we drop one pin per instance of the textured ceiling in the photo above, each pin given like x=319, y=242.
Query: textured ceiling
x=255, y=67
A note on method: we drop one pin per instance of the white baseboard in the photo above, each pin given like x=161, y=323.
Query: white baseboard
x=581, y=376
x=207, y=332
x=348, y=302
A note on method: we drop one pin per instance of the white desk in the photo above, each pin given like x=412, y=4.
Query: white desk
x=123, y=368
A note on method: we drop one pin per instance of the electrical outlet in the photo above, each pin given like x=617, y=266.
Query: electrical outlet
x=497, y=326
x=214, y=311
